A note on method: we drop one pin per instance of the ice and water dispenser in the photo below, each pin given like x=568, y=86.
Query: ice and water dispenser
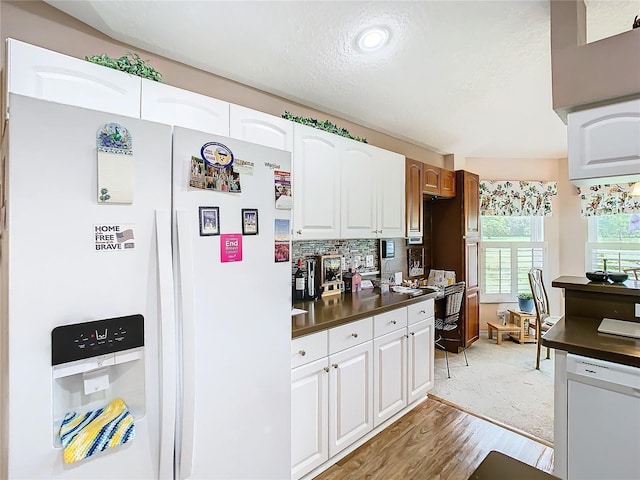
x=96, y=362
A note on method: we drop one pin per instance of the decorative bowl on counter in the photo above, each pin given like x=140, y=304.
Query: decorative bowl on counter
x=597, y=276
x=618, y=277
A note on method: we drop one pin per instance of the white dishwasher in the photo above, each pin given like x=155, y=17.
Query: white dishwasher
x=603, y=422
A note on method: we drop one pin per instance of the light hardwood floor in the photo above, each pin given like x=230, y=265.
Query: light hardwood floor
x=436, y=441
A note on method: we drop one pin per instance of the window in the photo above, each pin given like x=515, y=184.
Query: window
x=615, y=238
x=509, y=248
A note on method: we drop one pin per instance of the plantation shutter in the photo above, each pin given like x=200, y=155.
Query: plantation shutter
x=506, y=267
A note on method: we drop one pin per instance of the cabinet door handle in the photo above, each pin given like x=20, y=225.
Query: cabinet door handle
x=326, y=369
x=299, y=232
x=335, y=365
x=406, y=336
x=412, y=333
x=354, y=335
x=393, y=322
x=423, y=311
x=302, y=353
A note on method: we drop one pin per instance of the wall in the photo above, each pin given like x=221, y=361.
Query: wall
x=40, y=24
x=565, y=231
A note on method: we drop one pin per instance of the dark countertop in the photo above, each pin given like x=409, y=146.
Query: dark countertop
x=580, y=335
x=630, y=287
x=578, y=332
x=337, y=310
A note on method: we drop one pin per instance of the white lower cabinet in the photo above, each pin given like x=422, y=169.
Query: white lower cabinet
x=309, y=417
x=350, y=396
x=420, y=359
x=374, y=369
x=390, y=371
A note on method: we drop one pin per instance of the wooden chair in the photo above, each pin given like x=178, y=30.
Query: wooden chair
x=634, y=270
x=544, y=321
x=453, y=296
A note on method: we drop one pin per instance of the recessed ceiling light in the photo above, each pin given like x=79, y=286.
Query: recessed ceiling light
x=372, y=39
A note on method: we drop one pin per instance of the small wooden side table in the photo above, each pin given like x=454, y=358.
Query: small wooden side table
x=500, y=328
x=522, y=320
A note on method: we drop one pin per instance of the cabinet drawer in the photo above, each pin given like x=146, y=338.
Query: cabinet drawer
x=389, y=321
x=308, y=348
x=419, y=311
x=351, y=334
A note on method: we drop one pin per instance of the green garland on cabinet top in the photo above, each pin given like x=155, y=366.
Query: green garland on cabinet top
x=327, y=126
x=130, y=63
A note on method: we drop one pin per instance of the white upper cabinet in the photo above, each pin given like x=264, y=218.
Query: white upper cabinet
x=373, y=186
x=316, y=184
x=261, y=128
x=391, y=198
x=47, y=75
x=175, y=106
x=604, y=144
x=359, y=191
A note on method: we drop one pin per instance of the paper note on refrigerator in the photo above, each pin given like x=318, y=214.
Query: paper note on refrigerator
x=115, y=164
x=284, y=196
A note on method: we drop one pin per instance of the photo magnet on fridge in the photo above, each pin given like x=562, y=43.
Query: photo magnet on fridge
x=249, y=221
x=209, y=221
x=282, y=236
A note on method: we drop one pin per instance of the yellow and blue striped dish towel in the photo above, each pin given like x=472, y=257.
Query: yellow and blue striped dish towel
x=85, y=434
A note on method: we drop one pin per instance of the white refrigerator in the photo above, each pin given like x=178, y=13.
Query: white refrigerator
x=209, y=387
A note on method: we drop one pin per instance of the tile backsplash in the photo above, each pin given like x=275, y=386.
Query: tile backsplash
x=354, y=252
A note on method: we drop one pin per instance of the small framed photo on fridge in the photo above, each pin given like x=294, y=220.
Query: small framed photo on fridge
x=209, y=221
x=249, y=221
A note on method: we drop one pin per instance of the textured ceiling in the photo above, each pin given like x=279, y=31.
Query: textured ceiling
x=466, y=77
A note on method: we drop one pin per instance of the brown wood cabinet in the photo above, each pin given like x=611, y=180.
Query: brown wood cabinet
x=447, y=183
x=430, y=180
x=438, y=181
x=455, y=234
x=413, y=192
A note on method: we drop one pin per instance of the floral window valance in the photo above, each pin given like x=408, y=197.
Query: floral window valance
x=608, y=200
x=516, y=198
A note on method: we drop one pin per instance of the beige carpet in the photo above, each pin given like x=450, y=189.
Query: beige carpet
x=500, y=383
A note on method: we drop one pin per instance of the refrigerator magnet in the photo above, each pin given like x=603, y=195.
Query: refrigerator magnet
x=209, y=221
x=231, y=247
x=114, y=237
x=217, y=154
x=243, y=167
x=249, y=221
x=284, y=198
x=196, y=173
x=282, y=235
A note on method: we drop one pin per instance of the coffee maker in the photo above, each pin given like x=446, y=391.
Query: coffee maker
x=310, y=279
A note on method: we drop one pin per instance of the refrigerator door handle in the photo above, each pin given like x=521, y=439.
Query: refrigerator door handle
x=185, y=271
x=167, y=343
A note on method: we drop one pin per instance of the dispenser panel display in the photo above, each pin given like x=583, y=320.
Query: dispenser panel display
x=90, y=339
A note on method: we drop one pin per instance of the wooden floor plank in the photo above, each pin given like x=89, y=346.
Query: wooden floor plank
x=436, y=441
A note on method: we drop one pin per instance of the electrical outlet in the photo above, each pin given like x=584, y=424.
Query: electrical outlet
x=343, y=264
x=369, y=260
x=356, y=261
x=638, y=310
